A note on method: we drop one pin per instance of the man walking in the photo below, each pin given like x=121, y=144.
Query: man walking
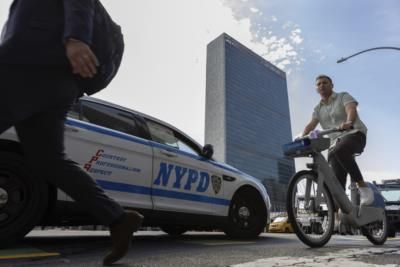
x=45, y=44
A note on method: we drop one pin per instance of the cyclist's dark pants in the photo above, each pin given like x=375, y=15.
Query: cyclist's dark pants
x=341, y=157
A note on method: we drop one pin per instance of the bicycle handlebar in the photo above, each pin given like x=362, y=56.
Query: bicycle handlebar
x=317, y=133
x=325, y=132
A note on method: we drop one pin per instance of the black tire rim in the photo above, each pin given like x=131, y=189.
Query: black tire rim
x=243, y=215
x=14, y=197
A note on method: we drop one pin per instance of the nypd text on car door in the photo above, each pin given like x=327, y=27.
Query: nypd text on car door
x=182, y=179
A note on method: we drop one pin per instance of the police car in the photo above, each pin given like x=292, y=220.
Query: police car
x=144, y=164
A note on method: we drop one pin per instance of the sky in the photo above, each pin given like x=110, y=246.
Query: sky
x=163, y=71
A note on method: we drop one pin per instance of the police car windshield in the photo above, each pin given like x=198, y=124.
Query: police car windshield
x=391, y=195
x=164, y=135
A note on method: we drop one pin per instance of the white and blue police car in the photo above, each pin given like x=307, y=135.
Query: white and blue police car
x=144, y=164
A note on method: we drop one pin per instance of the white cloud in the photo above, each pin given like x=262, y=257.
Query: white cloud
x=254, y=10
x=278, y=43
x=295, y=36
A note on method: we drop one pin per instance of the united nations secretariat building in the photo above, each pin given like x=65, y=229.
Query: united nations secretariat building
x=247, y=114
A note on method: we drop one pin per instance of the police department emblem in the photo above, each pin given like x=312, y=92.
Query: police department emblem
x=216, y=183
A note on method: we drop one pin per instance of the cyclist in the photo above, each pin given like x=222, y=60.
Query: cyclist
x=339, y=110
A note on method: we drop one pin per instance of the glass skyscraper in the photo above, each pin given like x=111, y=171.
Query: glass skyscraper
x=247, y=114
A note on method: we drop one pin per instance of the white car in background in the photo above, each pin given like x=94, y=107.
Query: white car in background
x=144, y=164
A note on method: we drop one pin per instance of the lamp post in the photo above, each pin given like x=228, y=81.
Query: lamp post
x=375, y=48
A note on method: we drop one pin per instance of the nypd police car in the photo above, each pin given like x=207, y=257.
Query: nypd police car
x=144, y=164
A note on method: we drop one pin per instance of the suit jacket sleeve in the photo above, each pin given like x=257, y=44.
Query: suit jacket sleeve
x=78, y=20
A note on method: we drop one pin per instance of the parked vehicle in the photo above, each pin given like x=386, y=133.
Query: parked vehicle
x=390, y=189
x=280, y=225
x=143, y=163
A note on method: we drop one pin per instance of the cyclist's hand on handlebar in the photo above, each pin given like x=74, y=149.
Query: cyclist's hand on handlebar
x=298, y=137
x=348, y=125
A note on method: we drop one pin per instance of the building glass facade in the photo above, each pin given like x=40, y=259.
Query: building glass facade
x=247, y=113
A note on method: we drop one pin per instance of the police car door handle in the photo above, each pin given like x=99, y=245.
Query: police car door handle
x=71, y=129
x=168, y=153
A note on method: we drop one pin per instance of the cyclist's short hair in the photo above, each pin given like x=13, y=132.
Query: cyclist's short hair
x=323, y=76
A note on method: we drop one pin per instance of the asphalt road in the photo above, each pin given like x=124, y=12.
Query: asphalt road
x=86, y=248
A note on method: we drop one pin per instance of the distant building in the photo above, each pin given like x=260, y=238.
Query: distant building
x=247, y=114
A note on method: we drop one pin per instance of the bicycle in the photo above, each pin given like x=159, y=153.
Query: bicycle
x=314, y=193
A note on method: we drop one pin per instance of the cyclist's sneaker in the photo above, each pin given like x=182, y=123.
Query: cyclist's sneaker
x=366, y=196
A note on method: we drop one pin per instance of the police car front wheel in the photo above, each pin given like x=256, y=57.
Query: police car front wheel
x=247, y=215
x=23, y=199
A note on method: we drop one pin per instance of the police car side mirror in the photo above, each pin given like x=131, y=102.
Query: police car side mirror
x=208, y=151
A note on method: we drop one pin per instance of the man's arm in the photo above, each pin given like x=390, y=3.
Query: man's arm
x=310, y=126
x=78, y=20
x=78, y=29
x=351, y=111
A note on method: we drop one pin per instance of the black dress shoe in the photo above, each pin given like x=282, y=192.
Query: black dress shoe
x=121, y=236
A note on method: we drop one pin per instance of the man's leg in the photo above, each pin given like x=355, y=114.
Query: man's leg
x=42, y=139
x=344, y=154
x=338, y=169
x=36, y=101
x=344, y=151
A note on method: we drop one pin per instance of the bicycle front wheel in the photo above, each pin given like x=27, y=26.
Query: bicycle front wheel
x=311, y=214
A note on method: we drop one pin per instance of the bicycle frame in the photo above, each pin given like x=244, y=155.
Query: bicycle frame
x=352, y=214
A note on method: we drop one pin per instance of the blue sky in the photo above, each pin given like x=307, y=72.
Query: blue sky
x=163, y=72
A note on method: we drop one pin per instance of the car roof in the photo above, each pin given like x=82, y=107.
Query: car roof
x=100, y=101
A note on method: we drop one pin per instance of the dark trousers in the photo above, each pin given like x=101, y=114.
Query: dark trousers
x=341, y=157
x=36, y=101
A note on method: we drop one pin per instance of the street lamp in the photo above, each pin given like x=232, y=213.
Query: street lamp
x=375, y=48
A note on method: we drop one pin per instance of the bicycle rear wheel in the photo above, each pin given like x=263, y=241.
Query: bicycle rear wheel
x=376, y=232
x=312, y=222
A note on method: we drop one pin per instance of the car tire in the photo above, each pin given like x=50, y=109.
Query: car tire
x=247, y=215
x=174, y=230
x=23, y=199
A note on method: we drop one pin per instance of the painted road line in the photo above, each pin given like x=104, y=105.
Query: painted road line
x=25, y=252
